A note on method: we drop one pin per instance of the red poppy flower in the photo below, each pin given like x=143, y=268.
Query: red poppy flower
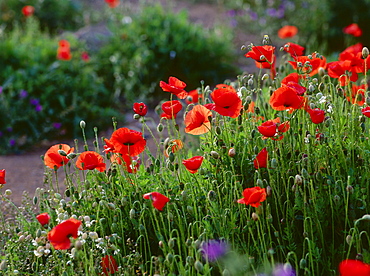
x=293, y=49
x=85, y=56
x=28, y=10
x=353, y=29
x=292, y=81
x=112, y=3
x=109, y=146
x=193, y=164
x=193, y=97
x=131, y=163
x=262, y=54
x=366, y=111
x=59, y=235
x=340, y=69
x=158, y=200
x=2, y=176
x=226, y=102
x=140, y=108
x=197, y=120
x=53, y=159
x=90, y=160
x=174, y=86
x=43, y=218
x=261, y=159
x=284, y=127
x=287, y=31
x=310, y=65
x=317, y=115
x=127, y=141
x=253, y=196
x=170, y=109
x=64, y=51
x=354, y=267
x=285, y=98
x=109, y=265
x=268, y=128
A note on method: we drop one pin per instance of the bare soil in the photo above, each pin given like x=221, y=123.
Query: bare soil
x=25, y=172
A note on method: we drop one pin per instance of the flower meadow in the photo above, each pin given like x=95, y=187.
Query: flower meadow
x=265, y=174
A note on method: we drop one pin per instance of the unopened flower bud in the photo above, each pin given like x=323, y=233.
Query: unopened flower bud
x=78, y=245
x=349, y=239
x=274, y=163
x=243, y=47
x=214, y=154
x=248, y=99
x=136, y=116
x=71, y=155
x=62, y=153
x=198, y=266
x=250, y=82
x=268, y=191
x=159, y=127
x=365, y=52
x=298, y=180
x=8, y=192
x=255, y=217
x=350, y=189
x=132, y=213
x=82, y=124
x=231, y=152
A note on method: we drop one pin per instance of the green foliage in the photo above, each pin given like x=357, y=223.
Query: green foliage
x=154, y=44
x=320, y=22
x=43, y=97
x=54, y=15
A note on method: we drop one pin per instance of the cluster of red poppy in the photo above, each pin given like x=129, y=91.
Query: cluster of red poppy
x=64, y=50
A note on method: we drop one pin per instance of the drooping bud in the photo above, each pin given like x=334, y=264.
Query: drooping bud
x=365, y=52
x=82, y=124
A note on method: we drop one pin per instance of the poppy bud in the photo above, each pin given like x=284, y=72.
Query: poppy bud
x=159, y=127
x=132, y=213
x=3, y=265
x=303, y=264
x=268, y=191
x=359, y=257
x=255, y=217
x=218, y=130
x=160, y=244
x=259, y=182
x=169, y=258
x=62, y=153
x=366, y=217
x=250, y=82
x=171, y=156
x=243, y=48
x=305, y=174
x=298, y=180
x=136, y=116
x=198, y=266
x=365, y=52
x=189, y=260
x=336, y=199
x=71, y=155
x=248, y=99
x=265, y=77
x=211, y=195
x=82, y=124
x=322, y=87
x=350, y=189
x=274, y=163
x=8, y=192
x=214, y=154
x=349, y=239
x=226, y=272
x=231, y=152
x=243, y=90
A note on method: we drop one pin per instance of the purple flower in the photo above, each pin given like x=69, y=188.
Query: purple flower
x=253, y=16
x=214, y=249
x=1, y=89
x=57, y=125
x=11, y=142
x=23, y=94
x=9, y=129
x=34, y=101
x=1, y=133
x=233, y=23
x=231, y=13
x=38, y=108
x=283, y=270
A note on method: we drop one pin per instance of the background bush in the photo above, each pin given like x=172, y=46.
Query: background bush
x=154, y=44
x=54, y=15
x=42, y=97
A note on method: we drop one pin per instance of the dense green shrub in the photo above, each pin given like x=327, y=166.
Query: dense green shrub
x=154, y=44
x=43, y=97
x=54, y=15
